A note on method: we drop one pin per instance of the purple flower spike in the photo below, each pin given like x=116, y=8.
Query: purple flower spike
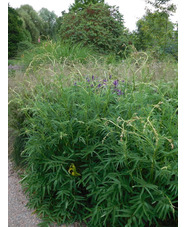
x=123, y=81
x=99, y=85
x=93, y=77
x=110, y=77
x=105, y=80
x=115, y=83
x=119, y=92
x=75, y=84
x=88, y=80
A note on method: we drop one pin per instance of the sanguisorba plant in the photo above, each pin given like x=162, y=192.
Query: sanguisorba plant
x=102, y=152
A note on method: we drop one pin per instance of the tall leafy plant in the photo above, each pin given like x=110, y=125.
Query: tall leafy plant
x=101, y=152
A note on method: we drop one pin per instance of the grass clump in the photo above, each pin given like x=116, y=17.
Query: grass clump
x=101, y=151
x=53, y=53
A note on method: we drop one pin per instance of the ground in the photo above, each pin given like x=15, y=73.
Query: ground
x=18, y=213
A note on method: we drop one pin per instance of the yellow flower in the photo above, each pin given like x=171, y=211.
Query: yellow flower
x=72, y=171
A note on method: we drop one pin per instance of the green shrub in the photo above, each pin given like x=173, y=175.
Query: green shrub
x=122, y=142
x=99, y=25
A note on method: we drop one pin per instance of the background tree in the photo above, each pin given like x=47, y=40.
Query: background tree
x=49, y=19
x=99, y=25
x=31, y=21
x=156, y=31
x=162, y=6
x=16, y=32
x=152, y=29
x=59, y=21
x=81, y=4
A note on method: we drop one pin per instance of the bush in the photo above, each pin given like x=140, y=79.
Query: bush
x=101, y=152
x=99, y=25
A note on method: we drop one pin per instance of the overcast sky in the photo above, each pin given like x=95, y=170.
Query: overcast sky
x=132, y=10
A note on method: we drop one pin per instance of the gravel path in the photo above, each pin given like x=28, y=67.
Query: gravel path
x=18, y=213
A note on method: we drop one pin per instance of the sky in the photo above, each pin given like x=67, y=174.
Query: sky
x=132, y=10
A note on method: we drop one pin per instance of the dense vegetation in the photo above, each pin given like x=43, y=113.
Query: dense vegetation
x=99, y=25
x=95, y=123
x=157, y=32
x=16, y=32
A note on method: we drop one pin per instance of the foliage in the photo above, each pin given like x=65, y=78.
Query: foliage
x=156, y=32
x=97, y=148
x=15, y=32
x=24, y=45
x=31, y=21
x=50, y=22
x=98, y=25
x=162, y=6
x=26, y=25
x=81, y=4
x=53, y=53
x=120, y=139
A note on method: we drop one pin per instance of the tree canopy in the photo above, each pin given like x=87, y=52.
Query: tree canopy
x=99, y=25
x=31, y=21
x=79, y=5
x=15, y=31
x=49, y=19
x=155, y=31
x=162, y=6
x=92, y=22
